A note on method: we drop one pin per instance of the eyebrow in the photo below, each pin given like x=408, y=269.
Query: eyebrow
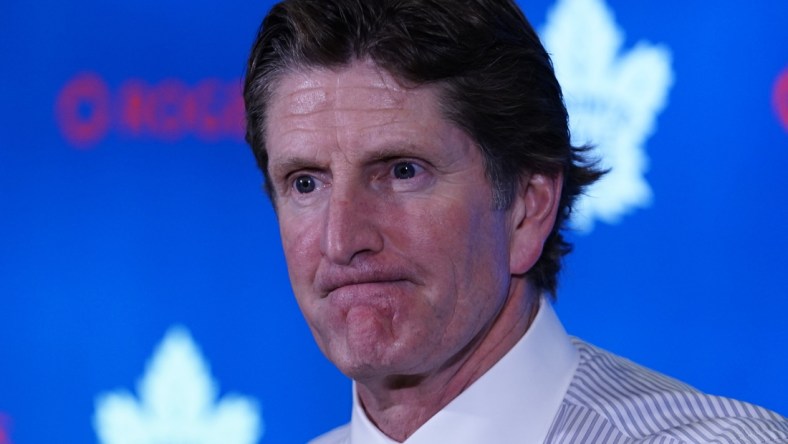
x=384, y=153
x=295, y=163
x=393, y=151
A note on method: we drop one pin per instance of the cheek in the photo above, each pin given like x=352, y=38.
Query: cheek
x=302, y=254
x=453, y=235
x=436, y=239
x=472, y=248
x=301, y=245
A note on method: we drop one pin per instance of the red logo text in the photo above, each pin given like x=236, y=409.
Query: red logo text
x=780, y=98
x=88, y=109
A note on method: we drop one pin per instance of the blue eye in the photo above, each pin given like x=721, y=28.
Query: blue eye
x=305, y=184
x=404, y=170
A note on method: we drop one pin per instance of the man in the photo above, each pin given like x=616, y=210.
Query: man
x=418, y=158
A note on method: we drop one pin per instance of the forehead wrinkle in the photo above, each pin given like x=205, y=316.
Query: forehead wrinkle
x=377, y=98
x=306, y=101
x=300, y=130
x=381, y=91
x=361, y=108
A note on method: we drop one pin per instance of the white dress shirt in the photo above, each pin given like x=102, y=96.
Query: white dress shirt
x=554, y=389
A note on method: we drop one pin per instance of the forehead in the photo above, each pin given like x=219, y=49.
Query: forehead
x=360, y=86
x=356, y=112
x=305, y=89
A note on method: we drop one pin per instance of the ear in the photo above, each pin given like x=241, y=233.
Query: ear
x=532, y=215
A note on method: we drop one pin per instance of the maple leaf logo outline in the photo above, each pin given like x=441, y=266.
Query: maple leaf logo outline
x=178, y=403
x=612, y=99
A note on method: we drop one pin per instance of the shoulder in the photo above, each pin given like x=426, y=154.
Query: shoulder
x=612, y=399
x=337, y=436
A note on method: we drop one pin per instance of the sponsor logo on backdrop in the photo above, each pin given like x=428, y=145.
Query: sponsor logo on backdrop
x=177, y=402
x=613, y=99
x=88, y=110
x=780, y=98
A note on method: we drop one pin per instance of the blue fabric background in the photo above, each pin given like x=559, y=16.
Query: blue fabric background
x=106, y=244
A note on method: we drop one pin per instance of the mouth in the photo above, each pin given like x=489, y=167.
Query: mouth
x=353, y=282
x=364, y=287
x=381, y=296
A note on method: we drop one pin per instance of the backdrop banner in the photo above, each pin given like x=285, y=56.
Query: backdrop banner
x=144, y=296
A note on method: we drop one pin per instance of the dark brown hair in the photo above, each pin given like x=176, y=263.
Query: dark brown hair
x=496, y=79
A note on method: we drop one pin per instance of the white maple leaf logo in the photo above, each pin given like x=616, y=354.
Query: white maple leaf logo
x=612, y=99
x=177, y=403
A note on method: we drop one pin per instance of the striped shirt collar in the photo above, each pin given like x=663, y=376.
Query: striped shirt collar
x=515, y=401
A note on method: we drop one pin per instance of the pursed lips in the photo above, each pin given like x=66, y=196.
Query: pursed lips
x=358, y=283
x=383, y=296
x=362, y=287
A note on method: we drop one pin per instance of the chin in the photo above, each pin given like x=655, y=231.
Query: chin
x=385, y=361
x=364, y=365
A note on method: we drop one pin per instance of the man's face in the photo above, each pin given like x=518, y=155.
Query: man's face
x=395, y=253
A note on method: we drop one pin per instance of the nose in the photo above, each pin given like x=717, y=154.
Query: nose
x=352, y=228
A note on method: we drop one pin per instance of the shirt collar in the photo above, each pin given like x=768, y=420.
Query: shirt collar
x=515, y=401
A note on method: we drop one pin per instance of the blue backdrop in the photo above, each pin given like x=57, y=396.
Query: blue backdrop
x=129, y=204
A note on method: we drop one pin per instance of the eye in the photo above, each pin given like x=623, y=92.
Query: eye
x=405, y=170
x=305, y=184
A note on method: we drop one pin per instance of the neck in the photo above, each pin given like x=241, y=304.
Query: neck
x=399, y=405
